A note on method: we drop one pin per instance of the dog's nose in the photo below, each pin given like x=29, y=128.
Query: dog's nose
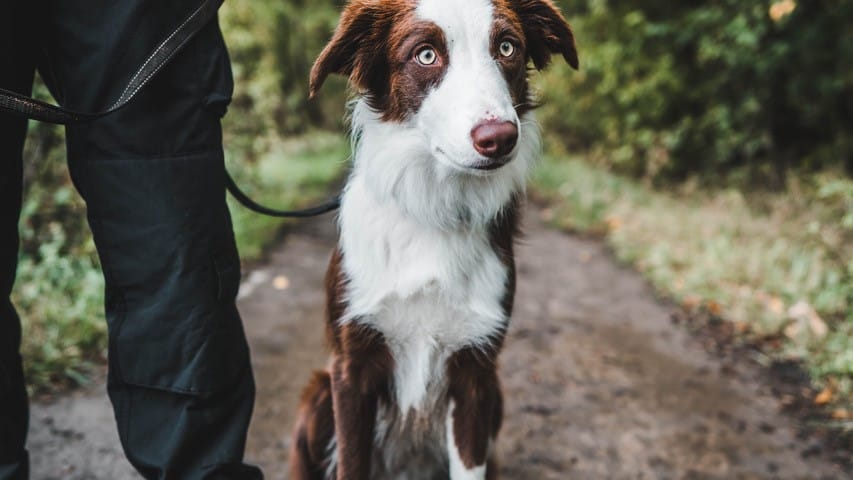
x=494, y=139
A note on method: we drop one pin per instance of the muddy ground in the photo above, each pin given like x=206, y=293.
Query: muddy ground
x=599, y=383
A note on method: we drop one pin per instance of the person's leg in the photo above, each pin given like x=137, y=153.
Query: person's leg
x=152, y=175
x=16, y=73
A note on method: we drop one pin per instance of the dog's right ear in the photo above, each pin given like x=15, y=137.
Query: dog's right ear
x=547, y=32
x=357, y=49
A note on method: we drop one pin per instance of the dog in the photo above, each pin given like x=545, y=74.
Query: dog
x=420, y=288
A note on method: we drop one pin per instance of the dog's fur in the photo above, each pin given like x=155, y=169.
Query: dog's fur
x=420, y=288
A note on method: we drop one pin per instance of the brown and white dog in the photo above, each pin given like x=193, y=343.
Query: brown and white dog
x=421, y=286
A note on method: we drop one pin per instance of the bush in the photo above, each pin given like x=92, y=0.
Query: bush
x=59, y=291
x=668, y=89
x=273, y=45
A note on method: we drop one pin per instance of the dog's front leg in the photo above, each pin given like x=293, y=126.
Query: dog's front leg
x=474, y=416
x=359, y=376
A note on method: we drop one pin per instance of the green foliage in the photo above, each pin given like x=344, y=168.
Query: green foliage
x=273, y=45
x=293, y=173
x=668, y=89
x=840, y=192
x=59, y=289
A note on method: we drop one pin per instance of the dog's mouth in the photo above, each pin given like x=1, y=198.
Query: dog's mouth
x=490, y=164
x=480, y=166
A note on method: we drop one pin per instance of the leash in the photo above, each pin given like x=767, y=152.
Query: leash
x=22, y=105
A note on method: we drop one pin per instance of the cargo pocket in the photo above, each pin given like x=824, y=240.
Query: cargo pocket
x=227, y=269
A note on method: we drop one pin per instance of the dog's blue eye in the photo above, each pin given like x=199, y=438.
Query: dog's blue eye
x=507, y=48
x=426, y=56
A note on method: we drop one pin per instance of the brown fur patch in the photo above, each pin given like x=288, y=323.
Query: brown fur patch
x=476, y=391
x=361, y=374
x=335, y=301
x=362, y=367
x=503, y=232
x=508, y=26
x=410, y=82
x=375, y=45
x=546, y=31
x=342, y=403
x=360, y=47
x=314, y=430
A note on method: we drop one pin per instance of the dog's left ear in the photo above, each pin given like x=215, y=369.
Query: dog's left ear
x=547, y=32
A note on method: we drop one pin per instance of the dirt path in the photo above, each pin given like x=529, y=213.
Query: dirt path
x=598, y=382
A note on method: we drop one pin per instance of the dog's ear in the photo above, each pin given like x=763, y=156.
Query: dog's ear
x=547, y=32
x=357, y=48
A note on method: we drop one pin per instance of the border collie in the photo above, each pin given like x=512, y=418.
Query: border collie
x=421, y=285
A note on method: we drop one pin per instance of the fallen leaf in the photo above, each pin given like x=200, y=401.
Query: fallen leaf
x=547, y=215
x=794, y=330
x=776, y=306
x=782, y=9
x=823, y=397
x=281, y=283
x=818, y=327
x=613, y=223
x=714, y=308
x=841, y=414
x=691, y=302
x=805, y=320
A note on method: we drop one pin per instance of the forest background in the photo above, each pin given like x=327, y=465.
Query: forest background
x=707, y=142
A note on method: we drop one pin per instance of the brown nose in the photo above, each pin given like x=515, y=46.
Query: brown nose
x=494, y=139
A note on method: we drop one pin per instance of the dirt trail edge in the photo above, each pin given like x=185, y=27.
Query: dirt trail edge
x=598, y=382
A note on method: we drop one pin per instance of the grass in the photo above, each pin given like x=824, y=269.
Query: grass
x=59, y=291
x=775, y=265
x=59, y=296
x=291, y=173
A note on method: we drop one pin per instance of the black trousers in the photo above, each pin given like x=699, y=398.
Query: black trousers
x=180, y=379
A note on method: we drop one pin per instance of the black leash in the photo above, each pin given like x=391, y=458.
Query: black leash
x=21, y=105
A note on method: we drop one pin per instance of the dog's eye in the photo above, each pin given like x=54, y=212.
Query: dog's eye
x=426, y=56
x=507, y=48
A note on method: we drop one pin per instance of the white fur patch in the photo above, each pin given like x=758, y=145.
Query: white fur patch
x=474, y=88
x=429, y=291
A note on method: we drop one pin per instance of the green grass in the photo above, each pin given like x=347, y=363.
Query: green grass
x=59, y=291
x=754, y=259
x=59, y=295
x=292, y=173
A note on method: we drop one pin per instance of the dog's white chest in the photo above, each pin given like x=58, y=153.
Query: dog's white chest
x=422, y=331
x=429, y=292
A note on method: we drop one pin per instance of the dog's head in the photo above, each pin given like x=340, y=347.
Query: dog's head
x=454, y=69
